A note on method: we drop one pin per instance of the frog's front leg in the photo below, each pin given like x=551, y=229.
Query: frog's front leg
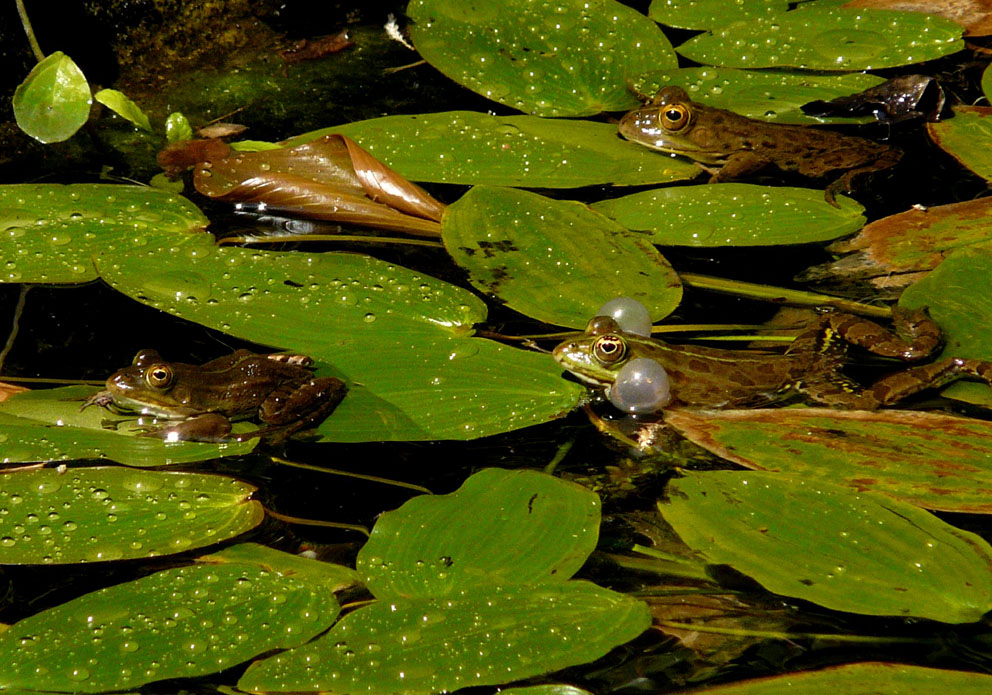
x=738, y=165
x=208, y=427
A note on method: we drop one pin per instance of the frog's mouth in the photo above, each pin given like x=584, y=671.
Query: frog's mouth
x=166, y=412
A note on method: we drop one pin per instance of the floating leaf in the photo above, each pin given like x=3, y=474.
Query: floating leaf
x=569, y=58
x=104, y=514
x=476, y=148
x=967, y=137
x=707, y=14
x=331, y=178
x=53, y=102
x=499, y=528
x=860, y=553
x=481, y=636
x=897, y=250
x=974, y=15
x=734, y=214
x=827, y=39
x=776, y=97
x=543, y=257
x=930, y=460
x=49, y=232
x=46, y=425
x=313, y=572
x=119, y=103
x=179, y=623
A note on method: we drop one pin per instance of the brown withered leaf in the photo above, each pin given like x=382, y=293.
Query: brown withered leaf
x=896, y=251
x=8, y=390
x=974, y=15
x=331, y=179
x=177, y=157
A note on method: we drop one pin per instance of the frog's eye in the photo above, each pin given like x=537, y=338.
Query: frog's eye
x=609, y=348
x=159, y=376
x=674, y=117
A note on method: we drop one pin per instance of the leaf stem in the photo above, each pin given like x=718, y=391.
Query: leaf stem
x=26, y=23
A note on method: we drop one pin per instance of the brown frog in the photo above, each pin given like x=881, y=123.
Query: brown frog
x=278, y=390
x=731, y=146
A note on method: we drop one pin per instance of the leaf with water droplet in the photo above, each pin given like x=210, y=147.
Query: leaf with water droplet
x=481, y=636
x=53, y=101
x=103, y=514
x=499, y=528
x=178, y=623
x=707, y=14
x=334, y=577
x=967, y=137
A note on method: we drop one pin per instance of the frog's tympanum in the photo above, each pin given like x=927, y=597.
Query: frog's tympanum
x=730, y=146
x=278, y=390
x=609, y=358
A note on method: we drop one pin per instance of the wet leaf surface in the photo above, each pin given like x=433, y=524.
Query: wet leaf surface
x=734, y=214
x=707, y=14
x=158, y=626
x=54, y=100
x=927, y=459
x=313, y=572
x=860, y=552
x=542, y=256
x=49, y=232
x=476, y=148
x=827, y=39
x=480, y=636
x=537, y=529
x=105, y=514
x=967, y=137
x=974, y=15
x=564, y=58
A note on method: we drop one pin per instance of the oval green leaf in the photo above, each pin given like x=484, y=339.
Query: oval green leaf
x=103, y=514
x=967, y=137
x=827, y=39
x=121, y=104
x=475, y=148
x=860, y=553
x=734, y=214
x=707, y=14
x=929, y=460
x=499, y=528
x=556, y=261
x=482, y=636
x=568, y=58
x=313, y=572
x=53, y=102
x=179, y=623
x=47, y=425
x=49, y=232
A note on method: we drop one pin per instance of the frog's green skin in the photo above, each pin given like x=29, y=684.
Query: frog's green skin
x=278, y=390
x=704, y=377
x=739, y=146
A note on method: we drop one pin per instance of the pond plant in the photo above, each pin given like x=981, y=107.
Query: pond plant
x=739, y=541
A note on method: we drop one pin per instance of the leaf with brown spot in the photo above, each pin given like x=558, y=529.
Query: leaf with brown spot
x=927, y=459
x=974, y=15
x=331, y=178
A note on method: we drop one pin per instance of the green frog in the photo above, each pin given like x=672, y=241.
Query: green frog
x=278, y=390
x=730, y=146
x=704, y=377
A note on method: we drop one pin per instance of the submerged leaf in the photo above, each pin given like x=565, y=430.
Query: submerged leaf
x=567, y=58
x=53, y=101
x=930, y=460
x=855, y=552
x=331, y=178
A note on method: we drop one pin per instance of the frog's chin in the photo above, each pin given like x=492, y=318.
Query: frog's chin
x=146, y=408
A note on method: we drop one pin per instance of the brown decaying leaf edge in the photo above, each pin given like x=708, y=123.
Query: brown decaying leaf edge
x=974, y=15
x=330, y=178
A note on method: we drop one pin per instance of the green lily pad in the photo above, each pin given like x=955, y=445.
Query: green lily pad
x=49, y=232
x=47, y=425
x=53, y=102
x=827, y=39
x=707, y=14
x=772, y=96
x=499, y=528
x=476, y=148
x=103, y=514
x=482, y=636
x=398, y=337
x=860, y=552
x=179, y=623
x=569, y=58
x=929, y=460
x=313, y=572
x=734, y=214
x=967, y=137
x=121, y=104
x=867, y=678
x=556, y=261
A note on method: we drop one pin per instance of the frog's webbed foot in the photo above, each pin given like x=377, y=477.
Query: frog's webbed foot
x=104, y=399
x=916, y=335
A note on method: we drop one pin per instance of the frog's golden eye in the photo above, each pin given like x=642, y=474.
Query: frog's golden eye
x=674, y=117
x=609, y=348
x=159, y=376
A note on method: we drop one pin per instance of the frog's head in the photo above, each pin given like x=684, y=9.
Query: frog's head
x=674, y=124
x=148, y=386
